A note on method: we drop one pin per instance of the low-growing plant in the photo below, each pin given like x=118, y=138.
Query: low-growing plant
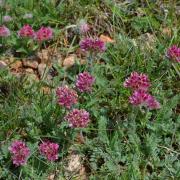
x=118, y=112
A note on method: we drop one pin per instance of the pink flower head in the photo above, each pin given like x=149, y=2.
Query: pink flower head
x=83, y=27
x=20, y=152
x=139, y=97
x=174, y=53
x=26, y=31
x=66, y=96
x=84, y=82
x=44, y=34
x=152, y=103
x=142, y=98
x=7, y=18
x=78, y=118
x=137, y=81
x=4, y=31
x=94, y=45
x=49, y=150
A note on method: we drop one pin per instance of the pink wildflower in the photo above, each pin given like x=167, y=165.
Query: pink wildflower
x=4, y=31
x=94, y=45
x=7, y=18
x=78, y=118
x=142, y=98
x=66, y=96
x=83, y=27
x=20, y=152
x=137, y=81
x=84, y=82
x=174, y=53
x=152, y=103
x=139, y=97
x=49, y=150
x=44, y=33
x=26, y=31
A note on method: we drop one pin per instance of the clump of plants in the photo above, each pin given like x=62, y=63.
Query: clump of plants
x=116, y=112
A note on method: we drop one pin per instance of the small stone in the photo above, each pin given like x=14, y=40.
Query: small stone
x=83, y=61
x=167, y=31
x=17, y=74
x=41, y=69
x=30, y=63
x=44, y=55
x=29, y=70
x=51, y=177
x=147, y=41
x=69, y=61
x=16, y=65
x=106, y=39
x=2, y=65
x=74, y=163
x=82, y=173
x=32, y=77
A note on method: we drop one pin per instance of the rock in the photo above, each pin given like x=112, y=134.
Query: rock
x=51, y=177
x=41, y=69
x=146, y=41
x=167, y=31
x=29, y=70
x=2, y=65
x=30, y=63
x=106, y=39
x=82, y=174
x=75, y=168
x=74, y=163
x=44, y=55
x=16, y=65
x=69, y=61
x=17, y=74
x=31, y=78
x=83, y=61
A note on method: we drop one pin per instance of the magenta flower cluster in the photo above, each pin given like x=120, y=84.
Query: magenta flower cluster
x=173, y=53
x=26, y=31
x=49, y=150
x=43, y=34
x=137, y=81
x=4, y=31
x=92, y=45
x=143, y=98
x=140, y=84
x=20, y=152
x=78, y=118
x=85, y=82
x=67, y=97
